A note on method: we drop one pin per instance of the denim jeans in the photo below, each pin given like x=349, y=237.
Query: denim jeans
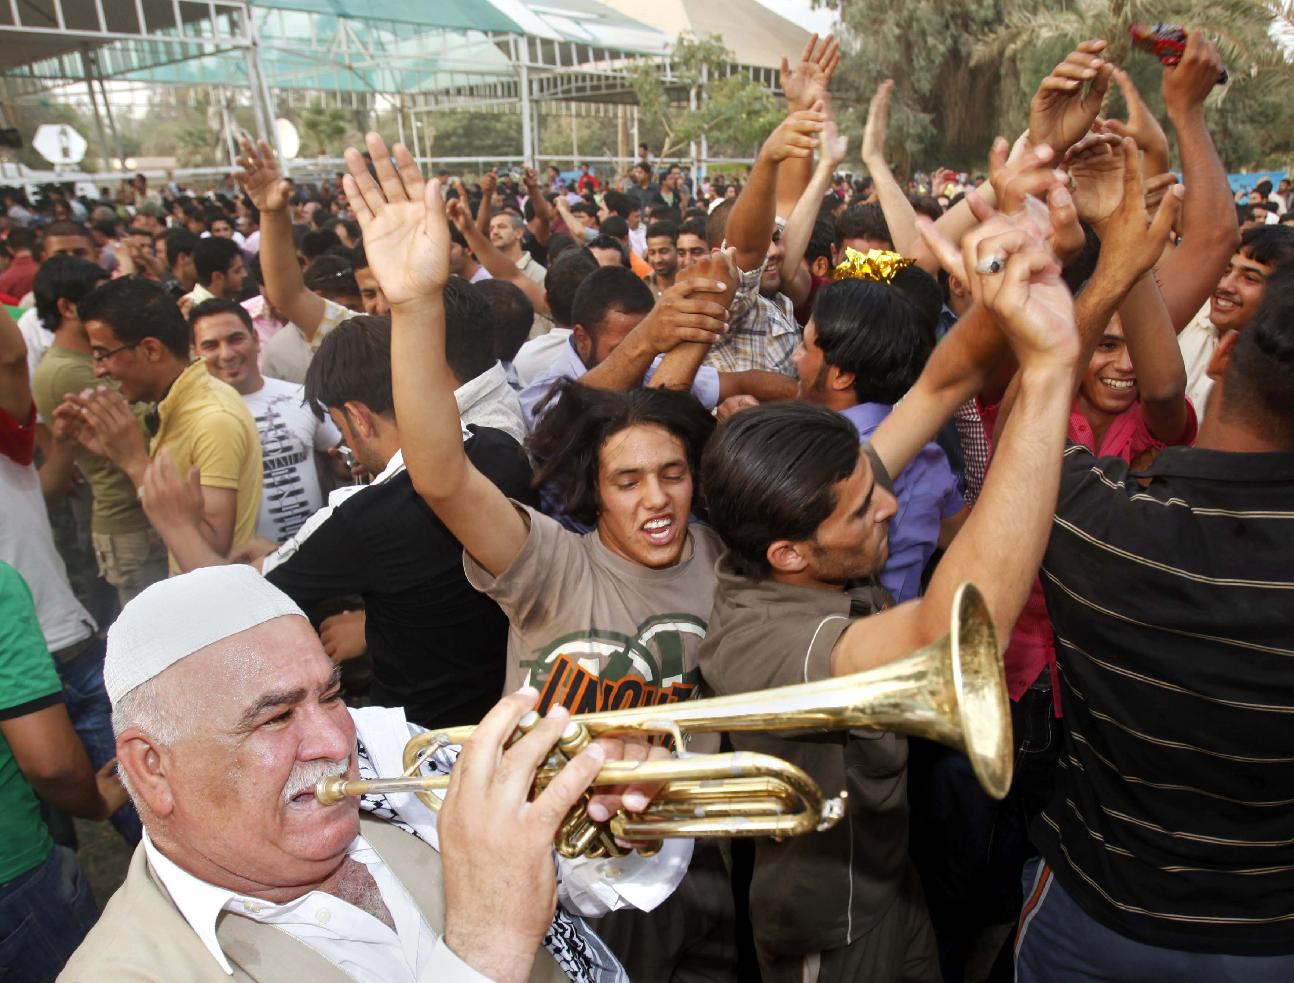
x=1059, y=942
x=44, y=915
x=968, y=848
x=91, y=713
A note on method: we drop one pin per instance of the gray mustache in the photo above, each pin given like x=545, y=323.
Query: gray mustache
x=305, y=775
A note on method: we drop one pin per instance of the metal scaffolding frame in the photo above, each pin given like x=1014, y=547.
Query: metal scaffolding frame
x=44, y=43
x=358, y=61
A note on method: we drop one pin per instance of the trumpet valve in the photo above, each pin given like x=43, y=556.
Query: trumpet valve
x=833, y=810
x=574, y=740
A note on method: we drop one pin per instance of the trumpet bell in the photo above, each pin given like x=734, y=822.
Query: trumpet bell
x=952, y=691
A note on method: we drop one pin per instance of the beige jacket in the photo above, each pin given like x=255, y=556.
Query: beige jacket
x=142, y=935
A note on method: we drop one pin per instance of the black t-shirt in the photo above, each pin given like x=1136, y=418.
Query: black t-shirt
x=439, y=648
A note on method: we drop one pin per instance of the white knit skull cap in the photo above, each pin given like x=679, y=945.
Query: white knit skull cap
x=174, y=618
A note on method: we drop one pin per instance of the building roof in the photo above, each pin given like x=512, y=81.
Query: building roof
x=755, y=34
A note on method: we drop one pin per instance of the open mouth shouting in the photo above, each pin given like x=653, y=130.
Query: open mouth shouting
x=660, y=530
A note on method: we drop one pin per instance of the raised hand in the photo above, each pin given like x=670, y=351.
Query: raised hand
x=1022, y=182
x=808, y=82
x=1131, y=242
x=796, y=136
x=260, y=177
x=1096, y=165
x=1027, y=297
x=1069, y=99
x=1188, y=83
x=1027, y=174
x=834, y=144
x=1141, y=126
x=878, y=122
x=1156, y=188
x=406, y=236
x=456, y=212
x=489, y=183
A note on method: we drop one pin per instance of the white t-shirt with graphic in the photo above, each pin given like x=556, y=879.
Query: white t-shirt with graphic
x=290, y=434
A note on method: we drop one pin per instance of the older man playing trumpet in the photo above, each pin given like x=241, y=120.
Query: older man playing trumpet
x=227, y=713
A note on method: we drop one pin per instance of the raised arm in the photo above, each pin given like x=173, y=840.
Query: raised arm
x=485, y=210
x=1068, y=100
x=1157, y=359
x=974, y=358
x=285, y=287
x=750, y=225
x=1141, y=126
x=489, y=256
x=799, y=227
x=1131, y=244
x=804, y=85
x=1210, y=235
x=541, y=225
x=900, y=216
x=1001, y=545
x=406, y=237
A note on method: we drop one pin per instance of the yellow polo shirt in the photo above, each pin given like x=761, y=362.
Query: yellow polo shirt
x=205, y=423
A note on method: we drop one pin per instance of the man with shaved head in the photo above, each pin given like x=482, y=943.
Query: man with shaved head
x=227, y=713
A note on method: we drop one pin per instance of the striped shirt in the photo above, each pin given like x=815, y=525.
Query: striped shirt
x=1173, y=603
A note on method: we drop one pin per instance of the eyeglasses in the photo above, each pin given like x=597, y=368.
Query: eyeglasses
x=102, y=356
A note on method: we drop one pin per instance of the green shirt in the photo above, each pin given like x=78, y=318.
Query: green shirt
x=28, y=683
x=116, y=503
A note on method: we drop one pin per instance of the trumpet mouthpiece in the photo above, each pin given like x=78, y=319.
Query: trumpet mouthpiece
x=331, y=790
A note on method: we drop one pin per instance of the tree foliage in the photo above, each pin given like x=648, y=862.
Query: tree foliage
x=964, y=72
x=733, y=111
x=325, y=128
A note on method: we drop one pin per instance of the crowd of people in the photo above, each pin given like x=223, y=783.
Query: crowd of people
x=293, y=473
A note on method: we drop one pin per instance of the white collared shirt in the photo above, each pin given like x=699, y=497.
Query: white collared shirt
x=352, y=940
x=1198, y=341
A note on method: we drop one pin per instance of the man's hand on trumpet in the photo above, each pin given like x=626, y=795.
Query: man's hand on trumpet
x=496, y=844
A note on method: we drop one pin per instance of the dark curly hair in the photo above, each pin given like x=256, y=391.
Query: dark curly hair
x=576, y=421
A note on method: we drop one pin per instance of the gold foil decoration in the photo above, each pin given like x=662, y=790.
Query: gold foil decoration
x=875, y=264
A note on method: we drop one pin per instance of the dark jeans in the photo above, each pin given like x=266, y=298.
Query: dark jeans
x=91, y=713
x=1059, y=942
x=970, y=849
x=44, y=915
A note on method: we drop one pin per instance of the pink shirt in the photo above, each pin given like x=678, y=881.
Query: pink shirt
x=266, y=327
x=1033, y=646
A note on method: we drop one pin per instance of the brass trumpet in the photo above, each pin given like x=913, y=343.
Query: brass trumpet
x=952, y=691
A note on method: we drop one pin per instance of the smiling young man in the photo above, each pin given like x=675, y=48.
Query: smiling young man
x=139, y=338
x=1262, y=251
x=662, y=257
x=610, y=618
x=291, y=435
